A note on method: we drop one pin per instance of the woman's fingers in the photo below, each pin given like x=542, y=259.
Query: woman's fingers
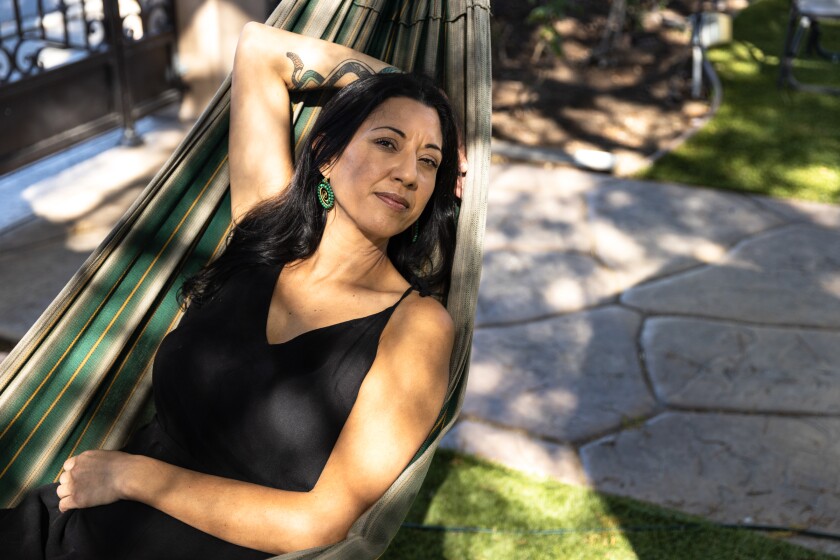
x=63, y=491
x=66, y=504
x=90, y=479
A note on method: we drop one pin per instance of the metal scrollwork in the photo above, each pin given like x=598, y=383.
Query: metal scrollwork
x=5, y=66
x=29, y=28
x=27, y=56
x=157, y=16
x=132, y=26
x=95, y=34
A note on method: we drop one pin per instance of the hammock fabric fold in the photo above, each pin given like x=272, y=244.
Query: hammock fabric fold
x=81, y=377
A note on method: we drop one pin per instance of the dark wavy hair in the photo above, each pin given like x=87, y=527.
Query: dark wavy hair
x=289, y=227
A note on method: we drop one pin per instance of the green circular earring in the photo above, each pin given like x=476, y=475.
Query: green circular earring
x=325, y=194
x=415, y=231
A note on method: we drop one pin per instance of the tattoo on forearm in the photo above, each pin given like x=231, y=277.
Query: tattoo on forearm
x=311, y=79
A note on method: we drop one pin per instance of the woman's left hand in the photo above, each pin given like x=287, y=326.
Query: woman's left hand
x=92, y=478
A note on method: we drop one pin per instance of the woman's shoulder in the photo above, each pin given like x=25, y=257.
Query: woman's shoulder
x=419, y=336
x=412, y=361
x=422, y=315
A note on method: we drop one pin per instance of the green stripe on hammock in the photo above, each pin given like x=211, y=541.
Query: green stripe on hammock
x=80, y=378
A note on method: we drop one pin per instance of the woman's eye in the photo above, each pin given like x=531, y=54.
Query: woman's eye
x=385, y=142
x=430, y=162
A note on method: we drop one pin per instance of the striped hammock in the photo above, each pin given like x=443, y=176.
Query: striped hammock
x=81, y=377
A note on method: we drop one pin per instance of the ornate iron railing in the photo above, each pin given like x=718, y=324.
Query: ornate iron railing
x=70, y=69
x=37, y=35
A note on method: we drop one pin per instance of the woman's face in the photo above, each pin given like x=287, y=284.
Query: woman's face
x=386, y=174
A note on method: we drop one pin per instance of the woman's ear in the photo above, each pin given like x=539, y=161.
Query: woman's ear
x=326, y=168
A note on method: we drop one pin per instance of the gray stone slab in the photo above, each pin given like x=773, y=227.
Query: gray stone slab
x=564, y=379
x=817, y=213
x=648, y=229
x=711, y=364
x=30, y=280
x=531, y=208
x=518, y=285
x=729, y=468
x=790, y=276
x=516, y=450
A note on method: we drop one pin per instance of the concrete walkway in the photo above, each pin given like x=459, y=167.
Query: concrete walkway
x=677, y=345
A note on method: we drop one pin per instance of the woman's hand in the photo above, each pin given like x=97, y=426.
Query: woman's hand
x=92, y=478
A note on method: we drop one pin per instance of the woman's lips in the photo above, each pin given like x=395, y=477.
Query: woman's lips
x=393, y=200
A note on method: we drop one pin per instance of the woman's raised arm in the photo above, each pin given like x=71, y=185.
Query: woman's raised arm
x=270, y=62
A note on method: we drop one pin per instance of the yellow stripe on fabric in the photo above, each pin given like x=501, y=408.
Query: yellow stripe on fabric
x=139, y=379
x=110, y=386
x=354, y=31
x=318, y=23
x=58, y=438
x=116, y=316
x=310, y=118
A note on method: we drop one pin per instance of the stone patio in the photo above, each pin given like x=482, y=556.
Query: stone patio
x=674, y=344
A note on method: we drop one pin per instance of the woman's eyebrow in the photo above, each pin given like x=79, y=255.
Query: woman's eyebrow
x=401, y=134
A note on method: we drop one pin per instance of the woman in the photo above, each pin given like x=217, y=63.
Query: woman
x=306, y=371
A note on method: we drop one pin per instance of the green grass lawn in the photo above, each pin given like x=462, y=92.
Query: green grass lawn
x=765, y=140
x=462, y=491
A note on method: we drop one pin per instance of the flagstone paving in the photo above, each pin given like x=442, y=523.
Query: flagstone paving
x=674, y=344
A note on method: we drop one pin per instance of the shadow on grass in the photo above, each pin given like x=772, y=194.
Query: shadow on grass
x=578, y=523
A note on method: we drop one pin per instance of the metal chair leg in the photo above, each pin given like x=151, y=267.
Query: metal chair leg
x=815, y=45
x=792, y=37
x=798, y=25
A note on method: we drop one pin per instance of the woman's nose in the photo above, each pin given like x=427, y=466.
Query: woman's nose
x=405, y=170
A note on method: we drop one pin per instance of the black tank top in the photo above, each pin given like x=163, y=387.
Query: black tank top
x=231, y=404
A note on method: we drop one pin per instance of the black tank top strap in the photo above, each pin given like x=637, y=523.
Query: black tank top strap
x=405, y=295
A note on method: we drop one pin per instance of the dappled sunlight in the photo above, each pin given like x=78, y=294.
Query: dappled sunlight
x=465, y=492
x=565, y=293
x=830, y=283
x=518, y=450
x=814, y=175
x=488, y=378
x=694, y=246
x=86, y=241
x=617, y=245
